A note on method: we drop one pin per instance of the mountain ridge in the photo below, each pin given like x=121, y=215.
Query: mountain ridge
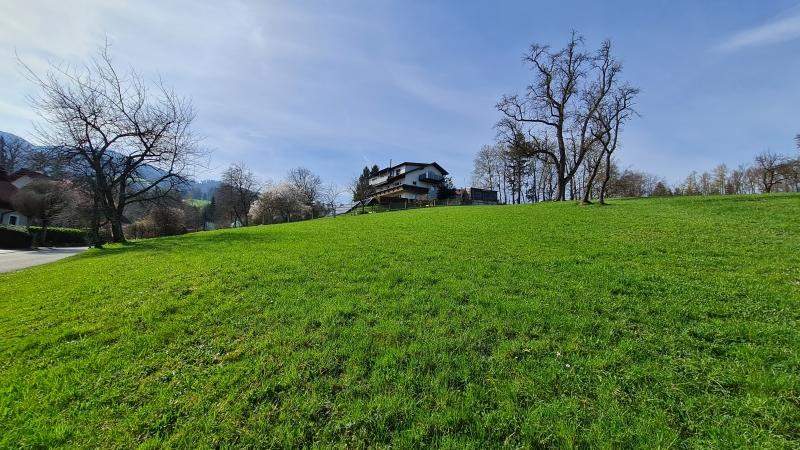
x=197, y=188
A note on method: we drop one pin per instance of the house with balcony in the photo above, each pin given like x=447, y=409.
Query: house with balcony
x=408, y=180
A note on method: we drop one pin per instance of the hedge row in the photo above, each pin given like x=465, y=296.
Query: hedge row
x=57, y=236
x=14, y=237
x=20, y=237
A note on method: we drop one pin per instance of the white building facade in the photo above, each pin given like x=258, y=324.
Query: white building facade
x=9, y=186
x=408, y=180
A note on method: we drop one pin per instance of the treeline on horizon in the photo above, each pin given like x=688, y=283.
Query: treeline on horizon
x=520, y=179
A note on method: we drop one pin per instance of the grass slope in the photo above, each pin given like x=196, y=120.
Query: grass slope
x=670, y=322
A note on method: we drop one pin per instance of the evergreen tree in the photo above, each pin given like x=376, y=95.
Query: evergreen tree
x=209, y=211
x=362, y=190
x=446, y=189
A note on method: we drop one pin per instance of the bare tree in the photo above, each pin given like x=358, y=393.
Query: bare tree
x=706, y=184
x=133, y=140
x=609, y=119
x=736, y=181
x=307, y=185
x=236, y=194
x=630, y=183
x=768, y=166
x=329, y=196
x=277, y=203
x=661, y=189
x=515, y=158
x=12, y=153
x=789, y=172
x=559, y=106
x=161, y=220
x=356, y=187
x=487, y=168
x=720, y=176
x=752, y=180
x=41, y=200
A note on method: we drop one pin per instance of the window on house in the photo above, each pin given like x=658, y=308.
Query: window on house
x=12, y=220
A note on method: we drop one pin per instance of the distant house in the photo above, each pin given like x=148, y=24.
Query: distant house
x=477, y=196
x=24, y=177
x=408, y=180
x=7, y=214
x=9, y=186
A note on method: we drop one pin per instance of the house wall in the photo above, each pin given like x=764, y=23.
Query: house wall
x=6, y=218
x=22, y=181
x=412, y=178
x=397, y=171
x=378, y=180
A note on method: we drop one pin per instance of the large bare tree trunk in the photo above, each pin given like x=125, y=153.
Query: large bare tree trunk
x=572, y=190
x=587, y=194
x=606, y=177
x=561, y=193
x=116, y=228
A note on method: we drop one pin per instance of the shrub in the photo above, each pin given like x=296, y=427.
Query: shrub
x=57, y=236
x=14, y=237
x=160, y=221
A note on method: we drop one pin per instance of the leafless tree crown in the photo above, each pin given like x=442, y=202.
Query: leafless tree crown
x=132, y=140
x=572, y=102
x=307, y=184
x=237, y=192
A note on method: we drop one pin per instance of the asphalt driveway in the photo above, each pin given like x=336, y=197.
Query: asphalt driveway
x=11, y=260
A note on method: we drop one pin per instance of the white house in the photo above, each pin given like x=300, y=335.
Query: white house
x=7, y=214
x=9, y=186
x=409, y=180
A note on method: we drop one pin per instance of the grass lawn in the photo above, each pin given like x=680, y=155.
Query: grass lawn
x=652, y=323
x=198, y=203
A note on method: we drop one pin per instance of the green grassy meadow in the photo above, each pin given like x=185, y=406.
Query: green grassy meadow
x=198, y=203
x=648, y=323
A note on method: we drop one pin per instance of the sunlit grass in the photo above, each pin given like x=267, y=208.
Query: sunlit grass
x=664, y=322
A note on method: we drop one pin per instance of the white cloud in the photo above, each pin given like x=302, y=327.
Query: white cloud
x=774, y=32
x=274, y=83
x=416, y=82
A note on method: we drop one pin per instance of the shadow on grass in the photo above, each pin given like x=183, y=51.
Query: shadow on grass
x=177, y=243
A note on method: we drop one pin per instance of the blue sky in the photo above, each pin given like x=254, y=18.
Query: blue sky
x=337, y=85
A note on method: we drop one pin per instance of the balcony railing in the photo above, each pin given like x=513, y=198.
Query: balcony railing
x=430, y=176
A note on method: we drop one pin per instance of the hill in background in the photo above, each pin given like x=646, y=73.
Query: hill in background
x=43, y=158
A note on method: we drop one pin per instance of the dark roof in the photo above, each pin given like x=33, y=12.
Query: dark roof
x=7, y=190
x=409, y=163
x=23, y=172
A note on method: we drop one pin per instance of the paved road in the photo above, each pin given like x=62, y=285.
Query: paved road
x=11, y=260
